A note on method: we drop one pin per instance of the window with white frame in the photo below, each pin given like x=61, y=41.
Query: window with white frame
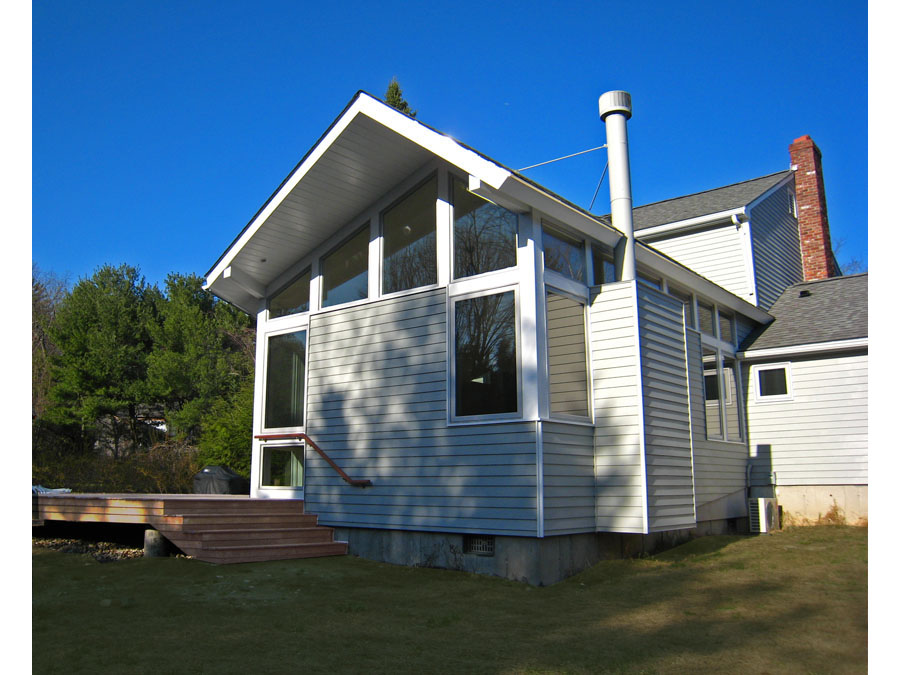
x=485, y=356
x=567, y=356
x=293, y=299
x=773, y=382
x=724, y=417
x=484, y=234
x=282, y=466
x=285, y=380
x=564, y=254
x=409, y=230
x=345, y=271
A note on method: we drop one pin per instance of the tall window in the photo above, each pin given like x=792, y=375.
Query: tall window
x=604, y=267
x=564, y=254
x=345, y=271
x=484, y=234
x=687, y=302
x=723, y=410
x=712, y=394
x=567, y=356
x=293, y=299
x=485, y=355
x=285, y=370
x=726, y=327
x=410, y=240
x=706, y=314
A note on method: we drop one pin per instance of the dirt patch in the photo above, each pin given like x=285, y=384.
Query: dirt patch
x=101, y=551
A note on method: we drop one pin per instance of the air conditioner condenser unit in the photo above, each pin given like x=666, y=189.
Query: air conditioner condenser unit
x=763, y=515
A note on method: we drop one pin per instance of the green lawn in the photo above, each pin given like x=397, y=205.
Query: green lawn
x=791, y=602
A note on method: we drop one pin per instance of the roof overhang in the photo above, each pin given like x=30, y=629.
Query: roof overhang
x=812, y=348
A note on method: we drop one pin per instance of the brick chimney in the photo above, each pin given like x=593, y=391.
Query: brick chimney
x=812, y=213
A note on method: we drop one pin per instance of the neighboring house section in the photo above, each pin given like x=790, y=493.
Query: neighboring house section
x=807, y=399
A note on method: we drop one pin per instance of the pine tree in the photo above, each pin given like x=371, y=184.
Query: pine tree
x=394, y=98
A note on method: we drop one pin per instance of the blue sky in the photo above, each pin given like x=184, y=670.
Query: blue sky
x=159, y=128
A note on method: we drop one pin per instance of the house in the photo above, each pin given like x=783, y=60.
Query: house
x=459, y=368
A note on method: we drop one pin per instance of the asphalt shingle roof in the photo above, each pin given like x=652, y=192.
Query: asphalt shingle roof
x=828, y=310
x=704, y=203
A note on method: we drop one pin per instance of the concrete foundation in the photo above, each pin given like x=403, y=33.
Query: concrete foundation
x=539, y=562
x=812, y=504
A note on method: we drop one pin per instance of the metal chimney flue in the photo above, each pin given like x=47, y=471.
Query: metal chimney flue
x=615, y=111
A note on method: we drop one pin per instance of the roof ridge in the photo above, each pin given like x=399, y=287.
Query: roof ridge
x=721, y=187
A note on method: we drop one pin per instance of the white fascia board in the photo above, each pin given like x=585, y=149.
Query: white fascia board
x=765, y=195
x=701, y=285
x=723, y=217
x=526, y=193
x=812, y=348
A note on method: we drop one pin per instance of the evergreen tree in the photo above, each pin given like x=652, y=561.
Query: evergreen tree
x=394, y=98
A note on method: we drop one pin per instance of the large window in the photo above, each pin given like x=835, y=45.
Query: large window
x=564, y=254
x=293, y=299
x=285, y=370
x=410, y=243
x=484, y=234
x=486, y=364
x=345, y=271
x=567, y=356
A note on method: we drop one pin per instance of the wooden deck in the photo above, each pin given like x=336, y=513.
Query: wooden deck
x=212, y=528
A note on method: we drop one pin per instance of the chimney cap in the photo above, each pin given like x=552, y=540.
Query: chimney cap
x=615, y=102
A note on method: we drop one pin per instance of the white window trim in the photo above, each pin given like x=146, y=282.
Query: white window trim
x=366, y=225
x=452, y=418
x=285, y=330
x=281, y=443
x=775, y=398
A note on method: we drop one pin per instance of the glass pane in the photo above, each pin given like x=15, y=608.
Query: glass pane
x=285, y=366
x=563, y=254
x=567, y=356
x=484, y=234
x=773, y=382
x=409, y=229
x=292, y=300
x=705, y=314
x=712, y=394
x=726, y=327
x=486, y=372
x=345, y=271
x=282, y=467
x=688, y=305
x=731, y=401
x=656, y=283
x=604, y=267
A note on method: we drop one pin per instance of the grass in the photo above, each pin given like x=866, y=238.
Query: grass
x=791, y=602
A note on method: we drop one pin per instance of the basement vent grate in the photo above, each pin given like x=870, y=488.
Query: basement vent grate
x=479, y=544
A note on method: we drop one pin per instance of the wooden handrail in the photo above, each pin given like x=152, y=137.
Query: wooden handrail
x=355, y=482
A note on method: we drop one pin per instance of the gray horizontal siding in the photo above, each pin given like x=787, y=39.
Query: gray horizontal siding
x=719, y=467
x=667, y=424
x=715, y=253
x=776, y=246
x=377, y=404
x=619, y=475
x=568, y=452
x=820, y=437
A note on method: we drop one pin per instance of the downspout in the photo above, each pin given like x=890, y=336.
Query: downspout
x=615, y=110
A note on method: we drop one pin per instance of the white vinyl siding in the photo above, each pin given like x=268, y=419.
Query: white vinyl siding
x=617, y=409
x=568, y=452
x=716, y=253
x=820, y=436
x=667, y=425
x=776, y=246
x=377, y=404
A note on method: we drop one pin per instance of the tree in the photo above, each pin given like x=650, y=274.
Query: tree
x=394, y=98
x=103, y=330
x=47, y=292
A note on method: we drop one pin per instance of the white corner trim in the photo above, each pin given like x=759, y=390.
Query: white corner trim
x=837, y=345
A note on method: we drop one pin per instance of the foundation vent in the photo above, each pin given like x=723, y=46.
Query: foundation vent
x=478, y=544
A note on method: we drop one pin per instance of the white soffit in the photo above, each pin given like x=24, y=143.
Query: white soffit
x=369, y=150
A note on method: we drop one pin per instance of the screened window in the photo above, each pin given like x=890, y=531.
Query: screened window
x=564, y=254
x=485, y=355
x=604, y=267
x=294, y=299
x=345, y=271
x=410, y=243
x=706, y=314
x=282, y=467
x=712, y=394
x=484, y=234
x=285, y=369
x=730, y=401
x=567, y=356
x=726, y=327
x=773, y=382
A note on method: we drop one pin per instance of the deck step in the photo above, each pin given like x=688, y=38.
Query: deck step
x=259, y=553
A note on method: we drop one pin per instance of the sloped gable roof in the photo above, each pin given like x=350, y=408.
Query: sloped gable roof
x=700, y=204
x=813, y=312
